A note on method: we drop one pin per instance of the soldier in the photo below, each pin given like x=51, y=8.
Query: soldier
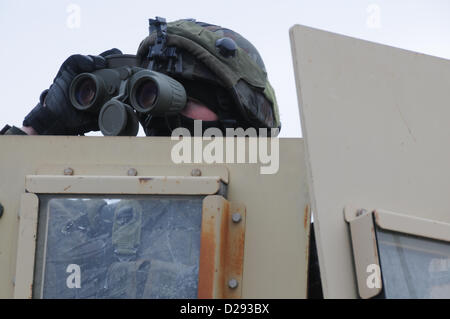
x=223, y=74
x=226, y=87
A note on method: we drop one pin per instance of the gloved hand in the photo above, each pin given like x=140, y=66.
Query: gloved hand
x=54, y=114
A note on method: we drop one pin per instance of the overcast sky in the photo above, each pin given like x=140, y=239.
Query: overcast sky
x=37, y=36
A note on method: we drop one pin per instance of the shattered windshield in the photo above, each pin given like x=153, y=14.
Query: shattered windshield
x=119, y=248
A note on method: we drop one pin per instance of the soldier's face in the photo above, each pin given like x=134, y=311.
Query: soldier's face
x=198, y=111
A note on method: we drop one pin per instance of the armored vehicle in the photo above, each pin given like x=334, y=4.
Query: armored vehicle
x=117, y=217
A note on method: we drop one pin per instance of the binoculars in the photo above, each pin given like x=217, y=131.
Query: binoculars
x=123, y=92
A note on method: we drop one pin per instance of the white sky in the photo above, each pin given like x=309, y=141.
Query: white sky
x=37, y=36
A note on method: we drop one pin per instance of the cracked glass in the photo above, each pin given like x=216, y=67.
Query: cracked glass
x=142, y=247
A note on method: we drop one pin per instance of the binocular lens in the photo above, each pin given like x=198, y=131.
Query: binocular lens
x=85, y=91
x=146, y=94
x=156, y=93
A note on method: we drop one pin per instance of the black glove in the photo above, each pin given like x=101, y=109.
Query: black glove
x=54, y=114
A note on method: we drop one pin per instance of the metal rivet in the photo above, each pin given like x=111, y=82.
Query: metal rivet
x=196, y=172
x=360, y=212
x=233, y=283
x=132, y=172
x=236, y=218
x=68, y=171
x=1, y=210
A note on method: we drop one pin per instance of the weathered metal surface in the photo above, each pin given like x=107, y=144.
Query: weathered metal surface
x=172, y=185
x=421, y=227
x=222, y=250
x=234, y=250
x=375, y=122
x=275, y=203
x=141, y=170
x=28, y=218
x=210, y=273
x=365, y=253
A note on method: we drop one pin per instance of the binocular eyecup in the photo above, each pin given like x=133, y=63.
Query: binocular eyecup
x=117, y=94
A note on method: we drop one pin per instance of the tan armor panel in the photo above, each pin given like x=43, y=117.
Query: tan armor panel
x=258, y=244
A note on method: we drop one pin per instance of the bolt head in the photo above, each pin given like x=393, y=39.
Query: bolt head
x=132, y=172
x=361, y=212
x=236, y=218
x=233, y=283
x=68, y=171
x=196, y=172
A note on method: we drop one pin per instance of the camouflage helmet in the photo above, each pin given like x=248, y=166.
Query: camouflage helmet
x=224, y=63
